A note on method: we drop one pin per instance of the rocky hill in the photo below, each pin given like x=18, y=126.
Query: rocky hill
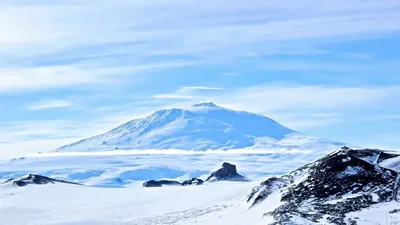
x=327, y=190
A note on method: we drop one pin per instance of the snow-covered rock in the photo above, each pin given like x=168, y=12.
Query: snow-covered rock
x=226, y=172
x=205, y=126
x=36, y=179
x=329, y=189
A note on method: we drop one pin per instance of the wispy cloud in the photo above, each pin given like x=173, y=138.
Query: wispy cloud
x=189, y=93
x=22, y=148
x=194, y=88
x=50, y=104
x=161, y=27
x=172, y=96
x=391, y=116
x=275, y=97
x=306, y=106
x=45, y=77
x=142, y=32
x=302, y=106
x=388, y=140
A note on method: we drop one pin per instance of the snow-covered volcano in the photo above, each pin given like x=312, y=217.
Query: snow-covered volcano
x=204, y=126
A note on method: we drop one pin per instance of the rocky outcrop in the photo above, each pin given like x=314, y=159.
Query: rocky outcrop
x=193, y=182
x=36, y=179
x=227, y=172
x=342, y=182
x=160, y=183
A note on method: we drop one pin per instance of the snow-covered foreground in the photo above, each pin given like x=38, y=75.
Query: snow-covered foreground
x=129, y=202
x=114, y=194
x=218, y=203
x=210, y=204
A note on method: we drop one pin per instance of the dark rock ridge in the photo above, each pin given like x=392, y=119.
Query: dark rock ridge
x=193, y=182
x=342, y=182
x=160, y=183
x=227, y=172
x=36, y=179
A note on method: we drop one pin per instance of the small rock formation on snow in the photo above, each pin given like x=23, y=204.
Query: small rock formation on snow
x=331, y=187
x=160, y=183
x=36, y=179
x=227, y=172
x=193, y=181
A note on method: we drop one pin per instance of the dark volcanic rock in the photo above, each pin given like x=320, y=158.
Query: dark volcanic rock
x=193, y=181
x=317, y=189
x=395, y=211
x=160, y=183
x=36, y=179
x=266, y=188
x=227, y=172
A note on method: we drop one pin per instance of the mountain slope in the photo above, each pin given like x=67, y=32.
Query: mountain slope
x=329, y=190
x=201, y=127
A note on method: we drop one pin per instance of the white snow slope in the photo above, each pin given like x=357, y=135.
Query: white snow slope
x=219, y=203
x=209, y=204
x=117, y=197
x=201, y=127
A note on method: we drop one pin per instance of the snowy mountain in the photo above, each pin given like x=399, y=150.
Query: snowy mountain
x=335, y=189
x=203, y=126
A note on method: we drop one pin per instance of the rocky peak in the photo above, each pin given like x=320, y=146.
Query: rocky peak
x=345, y=181
x=227, y=172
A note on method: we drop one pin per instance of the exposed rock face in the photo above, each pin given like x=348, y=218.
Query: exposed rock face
x=342, y=182
x=160, y=183
x=193, y=181
x=227, y=172
x=36, y=179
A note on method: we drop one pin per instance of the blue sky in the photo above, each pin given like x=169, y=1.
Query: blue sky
x=75, y=68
